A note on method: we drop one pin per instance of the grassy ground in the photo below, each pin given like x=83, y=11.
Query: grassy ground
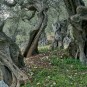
x=44, y=49
x=64, y=72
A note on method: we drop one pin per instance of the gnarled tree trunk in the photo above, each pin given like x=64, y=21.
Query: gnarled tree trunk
x=32, y=47
x=60, y=32
x=11, y=60
x=44, y=24
x=76, y=12
x=31, y=39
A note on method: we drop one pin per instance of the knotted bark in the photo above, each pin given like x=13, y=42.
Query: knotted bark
x=32, y=47
x=10, y=61
x=78, y=17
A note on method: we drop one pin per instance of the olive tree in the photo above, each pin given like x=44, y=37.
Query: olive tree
x=77, y=17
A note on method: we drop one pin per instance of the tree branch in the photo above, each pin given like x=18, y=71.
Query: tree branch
x=10, y=4
x=29, y=17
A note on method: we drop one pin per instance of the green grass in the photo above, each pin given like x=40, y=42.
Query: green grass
x=44, y=49
x=66, y=72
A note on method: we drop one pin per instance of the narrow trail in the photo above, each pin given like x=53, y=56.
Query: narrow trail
x=38, y=61
x=42, y=60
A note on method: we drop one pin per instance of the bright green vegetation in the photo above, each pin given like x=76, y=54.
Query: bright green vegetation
x=44, y=49
x=64, y=72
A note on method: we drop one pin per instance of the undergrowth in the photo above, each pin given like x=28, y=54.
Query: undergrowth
x=64, y=72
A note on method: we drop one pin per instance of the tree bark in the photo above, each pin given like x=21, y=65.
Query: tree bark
x=31, y=39
x=43, y=17
x=32, y=47
x=78, y=29
x=11, y=61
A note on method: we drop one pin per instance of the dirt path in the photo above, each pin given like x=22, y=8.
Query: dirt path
x=38, y=61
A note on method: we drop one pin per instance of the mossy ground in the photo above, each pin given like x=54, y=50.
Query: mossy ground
x=64, y=72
